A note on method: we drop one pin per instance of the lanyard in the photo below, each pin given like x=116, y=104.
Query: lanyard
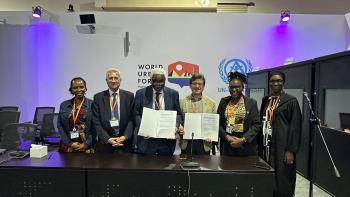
x=75, y=116
x=194, y=108
x=272, y=106
x=111, y=104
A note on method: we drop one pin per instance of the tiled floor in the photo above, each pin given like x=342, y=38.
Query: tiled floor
x=302, y=189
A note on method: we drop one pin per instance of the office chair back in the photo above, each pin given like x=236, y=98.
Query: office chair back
x=7, y=117
x=344, y=120
x=18, y=136
x=9, y=108
x=49, y=133
x=39, y=114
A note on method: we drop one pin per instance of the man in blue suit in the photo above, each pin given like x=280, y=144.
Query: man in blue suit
x=112, y=116
x=158, y=97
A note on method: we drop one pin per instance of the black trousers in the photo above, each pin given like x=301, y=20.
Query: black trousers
x=285, y=174
x=197, y=148
x=246, y=149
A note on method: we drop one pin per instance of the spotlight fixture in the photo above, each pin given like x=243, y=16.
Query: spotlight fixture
x=285, y=16
x=41, y=15
x=37, y=11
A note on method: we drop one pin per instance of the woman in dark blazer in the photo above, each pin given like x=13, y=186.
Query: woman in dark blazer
x=239, y=120
x=75, y=120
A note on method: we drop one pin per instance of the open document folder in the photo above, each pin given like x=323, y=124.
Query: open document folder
x=158, y=124
x=202, y=125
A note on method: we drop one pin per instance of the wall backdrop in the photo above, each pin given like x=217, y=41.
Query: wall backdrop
x=38, y=60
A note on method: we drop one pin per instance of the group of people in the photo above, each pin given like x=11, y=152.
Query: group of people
x=109, y=123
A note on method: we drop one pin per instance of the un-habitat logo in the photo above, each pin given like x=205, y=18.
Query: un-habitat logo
x=181, y=72
x=232, y=65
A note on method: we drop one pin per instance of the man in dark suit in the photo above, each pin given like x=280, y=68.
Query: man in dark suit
x=112, y=116
x=158, y=97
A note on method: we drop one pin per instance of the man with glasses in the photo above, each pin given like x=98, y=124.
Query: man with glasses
x=112, y=116
x=158, y=97
x=196, y=102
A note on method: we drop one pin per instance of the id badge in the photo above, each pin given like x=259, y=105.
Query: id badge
x=268, y=128
x=228, y=129
x=74, y=134
x=114, y=123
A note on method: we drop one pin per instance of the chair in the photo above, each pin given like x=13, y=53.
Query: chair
x=344, y=120
x=9, y=108
x=18, y=136
x=7, y=117
x=49, y=132
x=39, y=115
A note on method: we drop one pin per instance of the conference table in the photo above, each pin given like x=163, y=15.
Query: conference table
x=107, y=175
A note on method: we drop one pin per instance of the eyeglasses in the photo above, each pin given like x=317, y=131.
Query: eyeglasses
x=197, y=84
x=158, y=81
x=279, y=81
x=235, y=87
x=113, y=79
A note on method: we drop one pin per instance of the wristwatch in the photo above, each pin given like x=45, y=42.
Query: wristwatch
x=244, y=140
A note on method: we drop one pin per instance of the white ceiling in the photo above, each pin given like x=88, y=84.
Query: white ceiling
x=261, y=6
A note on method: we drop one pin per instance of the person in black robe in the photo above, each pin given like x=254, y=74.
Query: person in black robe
x=282, y=113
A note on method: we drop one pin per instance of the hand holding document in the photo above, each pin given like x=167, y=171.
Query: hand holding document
x=158, y=124
x=202, y=125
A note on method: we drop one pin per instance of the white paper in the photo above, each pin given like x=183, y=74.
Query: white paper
x=202, y=125
x=193, y=124
x=158, y=124
x=210, y=127
x=166, y=124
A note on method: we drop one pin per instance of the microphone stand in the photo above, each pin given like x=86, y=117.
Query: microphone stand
x=190, y=164
x=316, y=122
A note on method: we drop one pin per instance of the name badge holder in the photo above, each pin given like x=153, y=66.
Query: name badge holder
x=74, y=133
x=114, y=122
x=229, y=129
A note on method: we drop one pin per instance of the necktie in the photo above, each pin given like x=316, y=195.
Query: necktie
x=115, y=112
x=157, y=105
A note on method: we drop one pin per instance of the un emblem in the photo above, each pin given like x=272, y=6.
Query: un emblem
x=233, y=65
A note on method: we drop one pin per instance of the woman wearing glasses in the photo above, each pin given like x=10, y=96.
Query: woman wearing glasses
x=281, y=116
x=239, y=120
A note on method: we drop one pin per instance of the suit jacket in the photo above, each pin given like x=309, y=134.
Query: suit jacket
x=208, y=107
x=144, y=98
x=251, y=126
x=102, y=115
x=63, y=122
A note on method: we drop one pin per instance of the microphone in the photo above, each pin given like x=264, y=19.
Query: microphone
x=192, y=135
x=190, y=164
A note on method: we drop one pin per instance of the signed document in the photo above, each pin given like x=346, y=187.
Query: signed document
x=202, y=125
x=158, y=124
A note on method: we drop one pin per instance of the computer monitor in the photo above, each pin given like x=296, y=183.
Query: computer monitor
x=87, y=19
x=344, y=120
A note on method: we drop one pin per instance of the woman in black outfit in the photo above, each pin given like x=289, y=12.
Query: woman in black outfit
x=282, y=117
x=239, y=120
